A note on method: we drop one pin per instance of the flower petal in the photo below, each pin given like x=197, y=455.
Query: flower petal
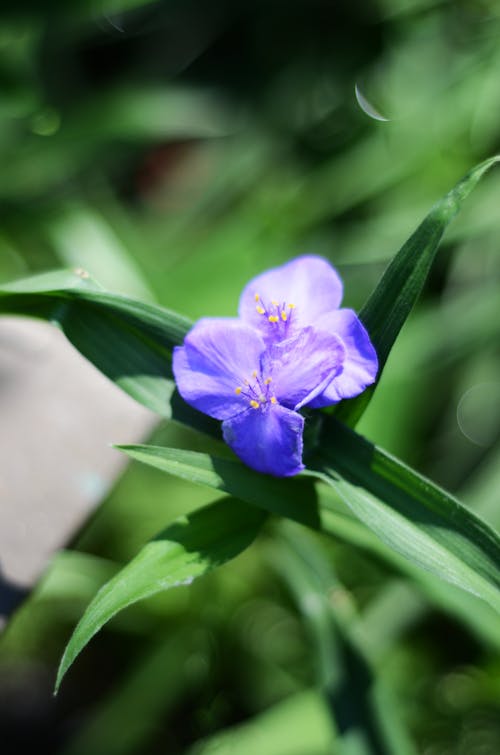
x=268, y=439
x=302, y=366
x=309, y=283
x=360, y=364
x=217, y=355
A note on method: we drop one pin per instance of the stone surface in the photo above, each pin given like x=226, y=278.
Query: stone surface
x=59, y=416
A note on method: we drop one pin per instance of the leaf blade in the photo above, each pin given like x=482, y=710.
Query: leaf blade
x=295, y=499
x=127, y=340
x=187, y=549
x=346, y=671
x=411, y=514
x=313, y=513
x=391, y=302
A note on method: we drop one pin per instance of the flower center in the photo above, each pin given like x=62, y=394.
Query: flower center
x=277, y=313
x=256, y=391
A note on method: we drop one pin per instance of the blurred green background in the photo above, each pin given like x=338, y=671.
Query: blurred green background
x=175, y=149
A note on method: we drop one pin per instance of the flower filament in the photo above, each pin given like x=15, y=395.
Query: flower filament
x=257, y=392
x=275, y=312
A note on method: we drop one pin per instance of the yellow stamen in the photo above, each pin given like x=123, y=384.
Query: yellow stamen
x=254, y=404
x=284, y=316
x=257, y=297
x=254, y=373
x=260, y=310
x=291, y=306
x=267, y=381
x=273, y=318
x=237, y=391
x=273, y=400
x=274, y=302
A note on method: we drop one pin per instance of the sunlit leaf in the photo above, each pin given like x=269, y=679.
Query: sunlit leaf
x=129, y=341
x=388, y=307
x=481, y=619
x=407, y=512
x=295, y=499
x=191, y=546
x=411, y=514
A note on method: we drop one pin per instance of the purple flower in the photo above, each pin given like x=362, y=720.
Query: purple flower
x=226, y=370
x=291, y=347
x=307, y=292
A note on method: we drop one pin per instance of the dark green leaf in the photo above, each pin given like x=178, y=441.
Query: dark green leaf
x=388, y=307
x=295, y=499
x=349, y=678
x=339, y=522
x=129, y=341
x=411, y=514
x=408, y=513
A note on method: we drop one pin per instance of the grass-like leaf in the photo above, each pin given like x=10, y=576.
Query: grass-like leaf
x=338, y=521
x=352, y=684
x=411, y=514
x=294, y=499
x=408, y=513
x=127, y=340
x=131, y=342
x=190, y=547
x=389, y=305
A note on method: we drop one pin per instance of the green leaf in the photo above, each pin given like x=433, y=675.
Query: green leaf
x=339, y=522
x=411, y=514
x=388, y=307
x=353, y=685
x=296, y=725
x=295, y=499
x=129, y=341
x=316, y=509
x=143, y=335
x=190, y=547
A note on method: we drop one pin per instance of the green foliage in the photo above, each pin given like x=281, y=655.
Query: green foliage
x=137, y=146
x=388, y=307
x=185, y=550
x=367, y=718
x=293, y=499
x=142, y=335
x=410, y=514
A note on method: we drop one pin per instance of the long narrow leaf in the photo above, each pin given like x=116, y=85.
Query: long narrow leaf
x=129, y=341
x=411, y=514
x=351, y=681
x=295, y=499
x=388, y=307
x=407, y=512
x=479, y=617
x=190, y=547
